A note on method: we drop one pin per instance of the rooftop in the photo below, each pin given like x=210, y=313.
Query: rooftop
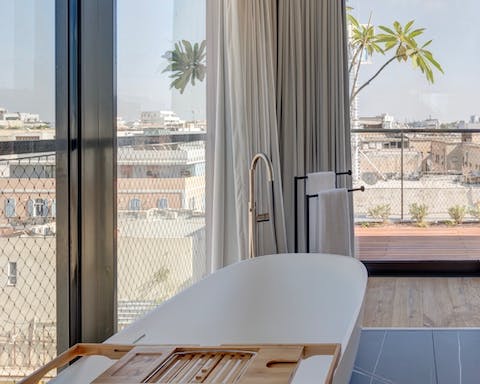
x=160, y=228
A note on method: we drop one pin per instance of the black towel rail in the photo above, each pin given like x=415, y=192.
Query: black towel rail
x=307, y=207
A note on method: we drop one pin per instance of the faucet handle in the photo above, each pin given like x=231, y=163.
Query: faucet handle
x=262, y=217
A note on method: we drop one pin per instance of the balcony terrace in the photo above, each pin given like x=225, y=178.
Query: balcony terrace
x=422, y=198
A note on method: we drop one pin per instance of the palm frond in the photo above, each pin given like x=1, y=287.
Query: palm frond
x=186, y=62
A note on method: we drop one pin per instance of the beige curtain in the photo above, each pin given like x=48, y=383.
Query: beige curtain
x=242, y=122
x=312, y=93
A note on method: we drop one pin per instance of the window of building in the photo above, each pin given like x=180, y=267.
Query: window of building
x=12, y=274
x=134, y=204
x=37, y=208
x=53, y=208
x=42, y=207
x=162, y=203
x=10, y=207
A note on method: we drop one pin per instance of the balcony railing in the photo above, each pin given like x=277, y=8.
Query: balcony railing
x=432, y=168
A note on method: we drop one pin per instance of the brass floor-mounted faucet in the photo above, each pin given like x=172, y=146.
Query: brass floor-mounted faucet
x=252, y=205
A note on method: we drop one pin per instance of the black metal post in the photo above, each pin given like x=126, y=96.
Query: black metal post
x=295, y=210
x=307, y=223
x=401, y=176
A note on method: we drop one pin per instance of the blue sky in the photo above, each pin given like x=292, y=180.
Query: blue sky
x=402, y=91
x=27, y=56
x=146, y=30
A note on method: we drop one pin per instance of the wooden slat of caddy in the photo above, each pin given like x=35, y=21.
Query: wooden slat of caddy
x=269, y=364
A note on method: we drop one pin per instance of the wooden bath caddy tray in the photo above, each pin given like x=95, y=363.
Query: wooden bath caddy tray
x=242, y=364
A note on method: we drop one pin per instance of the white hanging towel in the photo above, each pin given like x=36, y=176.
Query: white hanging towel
x=316, y=182
x=319, y=181
x=330, y=230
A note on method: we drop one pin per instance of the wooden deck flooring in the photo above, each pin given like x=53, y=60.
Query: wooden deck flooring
x=395, y=242
x=422, y=302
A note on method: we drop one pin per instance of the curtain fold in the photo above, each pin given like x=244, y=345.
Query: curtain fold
x=312, y=94
x=278, y=83
x=242, y=122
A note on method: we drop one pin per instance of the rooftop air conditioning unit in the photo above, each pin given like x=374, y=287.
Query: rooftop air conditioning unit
x=43, y=230
x=152, y=212
x=172, y=215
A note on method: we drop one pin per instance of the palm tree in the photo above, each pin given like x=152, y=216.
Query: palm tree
x=403, y=39
x=187, y=64
x=363, y=40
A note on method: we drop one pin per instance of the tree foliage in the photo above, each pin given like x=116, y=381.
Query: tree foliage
x=397, y=43
x=187, y=64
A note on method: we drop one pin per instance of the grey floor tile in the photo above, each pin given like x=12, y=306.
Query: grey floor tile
x=446, y=356
x=457, y=355
x=407, y=358
x=418, y=356
x=360, y=378
x=369, y=349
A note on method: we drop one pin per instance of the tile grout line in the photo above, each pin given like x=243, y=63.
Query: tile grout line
x=434, y=358
x=421, y=328
x=378, y=357
x=459, y=358
x=370, y=375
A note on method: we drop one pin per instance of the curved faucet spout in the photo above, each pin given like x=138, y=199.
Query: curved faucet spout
x=252, y=206
x=267, y=162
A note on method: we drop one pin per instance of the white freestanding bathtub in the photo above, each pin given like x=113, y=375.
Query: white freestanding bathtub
x=287, y=298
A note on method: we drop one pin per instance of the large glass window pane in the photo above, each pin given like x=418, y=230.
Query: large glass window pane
x=27, y=187
x=161, y=151
x=416, y=137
